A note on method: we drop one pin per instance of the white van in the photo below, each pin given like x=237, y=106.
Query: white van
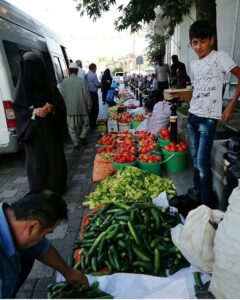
x=20, y=33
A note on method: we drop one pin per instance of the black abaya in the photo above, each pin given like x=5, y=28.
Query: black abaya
x=42, y=136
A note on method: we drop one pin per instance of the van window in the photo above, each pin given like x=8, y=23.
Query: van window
x=14, y=53
x=64, y=67
x=58, y=69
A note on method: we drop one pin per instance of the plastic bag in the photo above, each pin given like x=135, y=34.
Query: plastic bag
x=195, y=238
x=160, y=116
x=225, y=281
x=102, y=168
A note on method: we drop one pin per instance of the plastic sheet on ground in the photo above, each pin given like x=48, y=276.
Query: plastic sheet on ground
x=136, y=286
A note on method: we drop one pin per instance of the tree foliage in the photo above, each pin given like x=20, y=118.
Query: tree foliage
x=136, y=12
x=156, y=48
x=117, y=69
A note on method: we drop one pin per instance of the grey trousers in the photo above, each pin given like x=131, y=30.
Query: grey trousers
x=78, y=127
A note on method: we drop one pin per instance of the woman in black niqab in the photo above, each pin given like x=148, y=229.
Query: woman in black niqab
x=41, y=123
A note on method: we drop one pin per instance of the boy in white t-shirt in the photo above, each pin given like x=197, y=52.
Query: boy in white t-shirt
x=206, y=104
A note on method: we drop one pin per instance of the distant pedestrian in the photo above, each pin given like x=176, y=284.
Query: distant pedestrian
x=176, y=64
x=125, y=80
x=93, y=85
x=41, y=123
x=81, y=72
x=106, y=82
x=78, y=103
x=162, y=72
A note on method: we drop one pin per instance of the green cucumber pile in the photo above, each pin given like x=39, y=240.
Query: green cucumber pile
x=130, y=238
x=130, y=185
x=64, y=290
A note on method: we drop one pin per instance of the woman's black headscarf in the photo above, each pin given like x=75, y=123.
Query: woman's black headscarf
x=34, y=89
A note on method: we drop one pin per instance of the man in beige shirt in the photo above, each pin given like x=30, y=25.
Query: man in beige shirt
x=78, y=103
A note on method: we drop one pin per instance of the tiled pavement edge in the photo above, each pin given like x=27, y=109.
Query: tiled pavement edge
x=80, y=164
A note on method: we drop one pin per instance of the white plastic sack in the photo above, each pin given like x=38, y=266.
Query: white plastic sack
x=145, y=125
x=160, y=116
x=225, y=281
x=140, y=286
x=195, y=238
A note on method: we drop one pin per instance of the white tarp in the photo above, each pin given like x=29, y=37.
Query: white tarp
x=140, y=286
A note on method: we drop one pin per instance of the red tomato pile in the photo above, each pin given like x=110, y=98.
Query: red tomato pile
x=164, y=133
x=147, y=146
x=173, y=147
x=127, y=149
x=131, y=106
x=138, y=118
x=143, y=135
x=149, y=158
x=107, y=139
x=108, y=149
x=124, y=158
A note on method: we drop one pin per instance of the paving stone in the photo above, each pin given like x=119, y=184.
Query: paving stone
x=83, y=166
x=8, y=193
x=59, y=232
x=73, y=191
x=40, y=270
x=79, y=176
x=20, y=179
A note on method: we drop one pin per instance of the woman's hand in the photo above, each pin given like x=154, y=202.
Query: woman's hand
x=40, y=112
x=48, y=107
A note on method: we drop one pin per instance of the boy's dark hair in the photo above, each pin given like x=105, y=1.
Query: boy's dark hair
x=174, y=57
x=92, y=66
x=200, y=29
x=45, y=206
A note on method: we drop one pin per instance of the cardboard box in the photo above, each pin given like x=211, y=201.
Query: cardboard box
x=184, y=95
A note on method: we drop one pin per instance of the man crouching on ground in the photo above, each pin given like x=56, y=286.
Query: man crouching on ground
x=23, y=229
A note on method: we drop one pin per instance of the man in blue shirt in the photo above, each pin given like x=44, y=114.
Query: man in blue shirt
x=23, y=227
x=93, y=86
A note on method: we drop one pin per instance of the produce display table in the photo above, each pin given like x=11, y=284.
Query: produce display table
x=183, y=95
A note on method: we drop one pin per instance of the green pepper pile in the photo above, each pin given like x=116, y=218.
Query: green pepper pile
x=64, y=290
x=130, y=238
x=130, y=185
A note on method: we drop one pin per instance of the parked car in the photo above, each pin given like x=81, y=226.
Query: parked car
x=118, y=77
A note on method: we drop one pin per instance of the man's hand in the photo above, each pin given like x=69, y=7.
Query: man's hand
x=227, y=114
x=77, y=278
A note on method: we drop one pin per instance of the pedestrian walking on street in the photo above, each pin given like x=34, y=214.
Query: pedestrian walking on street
x=162, y=72
x=81, y=72
x=125, y=80
x=78, y=103
x=23, y=229
x=106, y=82
x=41, y=125
x=93, y=86
x=206, y=104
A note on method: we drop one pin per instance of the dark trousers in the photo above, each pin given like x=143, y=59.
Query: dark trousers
x=162, y=85
x=104, y=96
x=93, y=114
x=201, y=134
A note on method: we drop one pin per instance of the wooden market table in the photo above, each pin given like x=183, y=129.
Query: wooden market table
x=183, y=95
